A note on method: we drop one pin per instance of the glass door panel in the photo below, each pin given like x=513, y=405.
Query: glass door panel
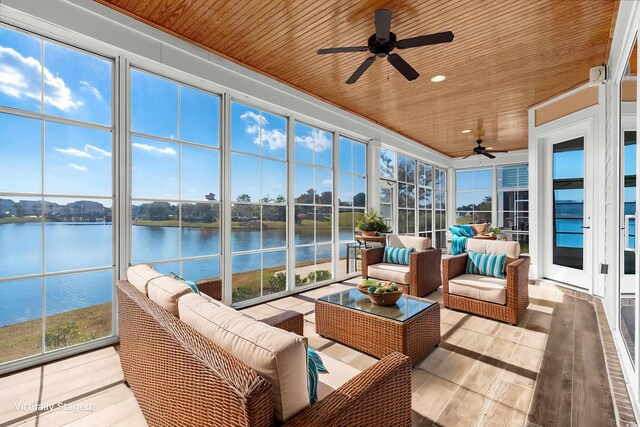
x=568, y=203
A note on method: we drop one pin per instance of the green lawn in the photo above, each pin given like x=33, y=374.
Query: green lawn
x=25, y=338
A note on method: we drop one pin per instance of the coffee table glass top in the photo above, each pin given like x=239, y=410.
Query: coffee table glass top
x=406, y=307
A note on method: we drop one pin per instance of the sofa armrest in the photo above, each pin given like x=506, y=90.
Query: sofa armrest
x=453, y=267
x=212, y=288
x=370, y=256
x=424, y=267
x=518, y=282
x=351, y=404
x=289, y=320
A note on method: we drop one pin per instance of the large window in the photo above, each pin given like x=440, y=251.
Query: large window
x=440, y=209
x=406, y=195
x=259, y=196
x=477, y=198
x=313, y=191
x=401, y=180
x=351, y=195
x=56, y=196
x=175, y=177
x=513, y=203
x=425, y=200
x=387, y=175
x=474, y=190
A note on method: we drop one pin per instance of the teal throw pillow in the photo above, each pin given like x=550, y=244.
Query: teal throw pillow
x=313, y=380
x=189, y=283
x=486, y=264
x=397, y=255
x=316, y=358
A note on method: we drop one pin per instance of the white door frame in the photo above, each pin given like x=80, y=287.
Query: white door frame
x=579, y=279
x=627, y=281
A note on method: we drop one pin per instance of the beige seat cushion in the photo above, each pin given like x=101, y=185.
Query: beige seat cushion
x=496, y=247
x=483, y=288
x=166, y=292
x=392, y=272
x=279, y=356
x=140, y=275
x=338, y=373
x=417, y=243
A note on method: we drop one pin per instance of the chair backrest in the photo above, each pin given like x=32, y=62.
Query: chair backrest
x=479, y=228
x=496, y=247
x=417, y=243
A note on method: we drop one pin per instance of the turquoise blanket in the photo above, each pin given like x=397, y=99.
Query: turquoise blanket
x=460, y=235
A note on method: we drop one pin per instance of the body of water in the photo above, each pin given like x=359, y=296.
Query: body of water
x=69, y=246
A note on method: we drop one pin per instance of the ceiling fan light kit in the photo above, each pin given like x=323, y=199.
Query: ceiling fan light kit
x=383, y=42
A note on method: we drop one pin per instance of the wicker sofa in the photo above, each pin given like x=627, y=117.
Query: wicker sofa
x=500, y=299
x=422, y=275
x=180, y=377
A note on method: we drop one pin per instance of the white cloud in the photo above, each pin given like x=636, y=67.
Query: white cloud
x=154, y=149
x=317, y=141
x=273, y=138
x=86, y=154
x=328, y=181
x=94, y=90
x=20, y=77
x=74, y=152
x=99, y=151
x=78, y=167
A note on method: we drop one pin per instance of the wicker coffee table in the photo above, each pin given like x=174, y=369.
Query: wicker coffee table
x=411, y=327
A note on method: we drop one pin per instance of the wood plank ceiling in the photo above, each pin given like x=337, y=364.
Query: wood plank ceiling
x=506, y=56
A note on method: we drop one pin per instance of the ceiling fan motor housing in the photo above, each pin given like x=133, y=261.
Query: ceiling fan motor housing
x=381, y=48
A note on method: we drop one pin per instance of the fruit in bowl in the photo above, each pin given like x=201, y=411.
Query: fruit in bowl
x=365, y=284
x=383, y=293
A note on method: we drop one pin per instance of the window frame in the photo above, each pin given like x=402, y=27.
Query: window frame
x=116, y=221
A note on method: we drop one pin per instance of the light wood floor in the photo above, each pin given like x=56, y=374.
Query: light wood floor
x=548, y=370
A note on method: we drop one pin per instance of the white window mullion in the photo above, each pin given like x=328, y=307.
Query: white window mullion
x=291, y=209
x=225, y=203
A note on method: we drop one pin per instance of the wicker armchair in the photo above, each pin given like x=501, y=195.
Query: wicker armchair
x=419, y=278
x=504, y=300
x=179, y=377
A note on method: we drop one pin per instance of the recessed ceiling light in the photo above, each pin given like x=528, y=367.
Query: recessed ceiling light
x=466, y=131
x=438, y=79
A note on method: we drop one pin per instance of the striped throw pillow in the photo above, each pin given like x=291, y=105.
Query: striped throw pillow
x=486, y=264
x=397, y=255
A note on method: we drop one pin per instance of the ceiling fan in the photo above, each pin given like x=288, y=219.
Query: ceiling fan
x=383, y=42
x=480, y=150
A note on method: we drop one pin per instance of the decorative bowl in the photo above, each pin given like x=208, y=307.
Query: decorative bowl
x=386, y=298
x=364, y=285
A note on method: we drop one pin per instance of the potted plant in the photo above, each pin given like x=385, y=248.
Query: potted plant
x=495, y=231
x=371, y=224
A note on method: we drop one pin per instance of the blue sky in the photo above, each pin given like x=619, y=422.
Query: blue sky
x=76, y=86
x=78, y=160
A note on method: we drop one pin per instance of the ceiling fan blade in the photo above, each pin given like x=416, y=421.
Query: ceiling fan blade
x=401, y=65
x=383, y=24
x=436, y=38
x=496, y=151
x=491, y=156
x=361, y=69
x=466, y=157
x=342, y=49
